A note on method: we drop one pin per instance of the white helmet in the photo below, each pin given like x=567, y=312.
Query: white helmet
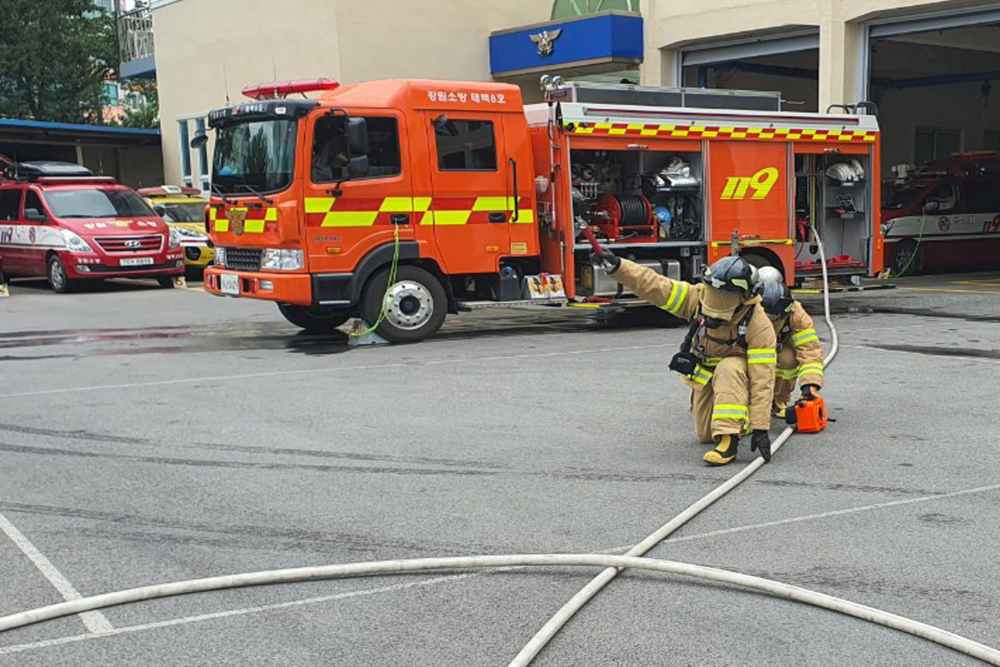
x=769, y=274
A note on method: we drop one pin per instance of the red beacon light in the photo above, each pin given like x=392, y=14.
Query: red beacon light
x=282, y=89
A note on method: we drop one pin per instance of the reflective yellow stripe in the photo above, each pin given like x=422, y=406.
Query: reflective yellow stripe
x=319, y=204
x=712, y=362
x=493, y=204
x=677, y=296
x=805, y=333
x=451, y=217
x=808, y=339
x=524, y=216
x=396, y=205
x=350, y=219
x=786, y=373
x=811, y=369
x=762, y=356
x=271, y=215
x=730, y=411
x=254, y=226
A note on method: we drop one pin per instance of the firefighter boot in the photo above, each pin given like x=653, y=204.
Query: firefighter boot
x=779, y=409
x=724, y=452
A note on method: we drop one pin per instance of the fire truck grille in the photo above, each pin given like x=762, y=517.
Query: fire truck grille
x=243, y=259
x=130, y=243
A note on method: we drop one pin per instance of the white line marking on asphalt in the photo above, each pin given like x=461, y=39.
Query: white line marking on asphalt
x=233, y=612
x=924, y=354
x=437, y=580
x=313, y=371
x=95, y=621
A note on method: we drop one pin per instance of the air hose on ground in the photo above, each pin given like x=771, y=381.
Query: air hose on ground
x=388, y=286
x=612, y=565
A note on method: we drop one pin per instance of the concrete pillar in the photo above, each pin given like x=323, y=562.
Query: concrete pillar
x=840, y=49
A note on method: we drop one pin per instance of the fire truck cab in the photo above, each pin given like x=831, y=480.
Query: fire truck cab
x=401, y=201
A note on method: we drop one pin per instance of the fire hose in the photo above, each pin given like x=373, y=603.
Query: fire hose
x=612, y=564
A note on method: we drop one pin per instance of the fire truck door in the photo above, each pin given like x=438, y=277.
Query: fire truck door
x=471, y=184
x=749, y=190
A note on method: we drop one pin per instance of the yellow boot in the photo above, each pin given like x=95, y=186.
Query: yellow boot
x=724, y=452
x=779, y=409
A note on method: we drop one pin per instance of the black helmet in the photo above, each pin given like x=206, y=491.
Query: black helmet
x=777, y=300
x=731, y=274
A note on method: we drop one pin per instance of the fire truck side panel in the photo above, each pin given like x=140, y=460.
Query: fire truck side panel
x=523, y=224
x=748, y=185
x=471, y=190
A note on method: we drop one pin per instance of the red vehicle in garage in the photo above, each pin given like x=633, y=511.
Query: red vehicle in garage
x=945, y=215
x=60, y=221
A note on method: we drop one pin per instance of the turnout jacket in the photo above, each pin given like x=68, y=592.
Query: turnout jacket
x=798, y=333
x=683, y=300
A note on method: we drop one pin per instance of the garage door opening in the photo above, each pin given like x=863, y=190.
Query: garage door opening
x=936, y=84
x=788, y=65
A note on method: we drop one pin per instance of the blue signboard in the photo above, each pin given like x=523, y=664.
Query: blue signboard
x=609, y=37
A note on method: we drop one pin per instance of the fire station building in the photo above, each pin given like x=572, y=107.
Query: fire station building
x=928, y=66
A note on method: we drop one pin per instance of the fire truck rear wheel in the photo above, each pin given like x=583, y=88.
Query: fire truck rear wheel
x=416, y=304
x=907, y=258
x=313, y=320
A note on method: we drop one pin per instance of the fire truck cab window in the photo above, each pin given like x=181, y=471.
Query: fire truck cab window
x=330, y=154
x=10, y=204
x=466, y=145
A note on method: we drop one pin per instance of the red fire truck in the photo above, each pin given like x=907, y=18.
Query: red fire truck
x=402, y=201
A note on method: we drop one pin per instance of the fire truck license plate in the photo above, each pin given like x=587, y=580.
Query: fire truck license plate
x=136, y=261
x=229, y=283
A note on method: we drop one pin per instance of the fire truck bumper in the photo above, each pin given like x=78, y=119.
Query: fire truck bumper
x=287, y=288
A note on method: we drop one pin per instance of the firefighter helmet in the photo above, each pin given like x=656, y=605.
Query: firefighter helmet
x=769, y=274
x=731, y=274
x=777, y=300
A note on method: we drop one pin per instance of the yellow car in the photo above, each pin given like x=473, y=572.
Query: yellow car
x=183, y=209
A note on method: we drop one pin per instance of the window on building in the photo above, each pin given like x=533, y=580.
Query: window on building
x=10, y=204
x=564, y=9
x=934, y=144
x=330, y=154
x=466, y=145
x=33, y=202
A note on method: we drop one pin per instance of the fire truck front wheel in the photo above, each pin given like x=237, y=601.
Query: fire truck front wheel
x=313, y=320
x=415, y=304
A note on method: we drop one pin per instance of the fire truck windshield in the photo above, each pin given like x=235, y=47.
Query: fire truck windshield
x=900, y=197
x=259, y=154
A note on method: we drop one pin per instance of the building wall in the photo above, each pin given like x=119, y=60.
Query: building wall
x=679, y=23
x=348, y=40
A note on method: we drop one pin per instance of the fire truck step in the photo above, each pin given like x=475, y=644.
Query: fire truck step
x=523, y=303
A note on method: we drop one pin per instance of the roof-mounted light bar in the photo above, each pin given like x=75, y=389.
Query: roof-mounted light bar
x=282, y=89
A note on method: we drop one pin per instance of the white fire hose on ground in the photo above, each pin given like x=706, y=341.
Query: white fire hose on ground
x=612, y=564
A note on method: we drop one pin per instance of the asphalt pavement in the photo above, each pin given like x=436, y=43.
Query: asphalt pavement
x=151, y=435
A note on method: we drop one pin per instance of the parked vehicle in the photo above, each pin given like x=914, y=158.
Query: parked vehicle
x=184, y=210
x=402, y=201
x=945, y=215
x=60, y=221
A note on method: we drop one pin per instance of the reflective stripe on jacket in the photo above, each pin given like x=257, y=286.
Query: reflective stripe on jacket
x=808, y=349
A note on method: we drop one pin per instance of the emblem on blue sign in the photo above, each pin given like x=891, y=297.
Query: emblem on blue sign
x=545, y=40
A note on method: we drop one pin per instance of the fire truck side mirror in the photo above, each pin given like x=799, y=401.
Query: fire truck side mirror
x=357, y=137
x=199, y=139
x=358, y=167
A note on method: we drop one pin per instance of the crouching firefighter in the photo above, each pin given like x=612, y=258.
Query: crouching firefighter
x=800, y=354
x=728, y=355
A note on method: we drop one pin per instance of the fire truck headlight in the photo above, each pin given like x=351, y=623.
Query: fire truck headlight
x=887, y=226
x=220, y=256
x=277, y=259
x=74, y=243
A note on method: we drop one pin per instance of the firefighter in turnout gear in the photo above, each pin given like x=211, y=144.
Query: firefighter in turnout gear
x=800, y=354
x=728, y=356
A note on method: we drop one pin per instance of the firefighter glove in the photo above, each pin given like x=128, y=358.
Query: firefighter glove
x=606, y=259
x=762, y=441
